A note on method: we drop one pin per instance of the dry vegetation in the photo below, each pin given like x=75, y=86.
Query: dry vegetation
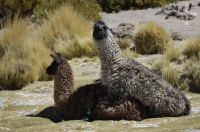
x=69, y=33
x=21, y=52
x=129, y=53
x=25, y=47
x=181, y=67
x=150, y=38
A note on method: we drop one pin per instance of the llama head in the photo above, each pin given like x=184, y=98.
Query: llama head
x=57, y=60
x=100, y=31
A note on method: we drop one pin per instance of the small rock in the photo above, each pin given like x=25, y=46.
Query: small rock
x=123, y=30
x=177, y=36
x=182, y=9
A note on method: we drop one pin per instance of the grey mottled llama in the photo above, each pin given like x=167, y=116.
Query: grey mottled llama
x=126, y=78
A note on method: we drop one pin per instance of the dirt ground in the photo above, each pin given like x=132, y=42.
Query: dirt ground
x=186, y=28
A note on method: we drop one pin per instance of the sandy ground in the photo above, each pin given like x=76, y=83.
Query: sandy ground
x=186, y=28
x=16, y=105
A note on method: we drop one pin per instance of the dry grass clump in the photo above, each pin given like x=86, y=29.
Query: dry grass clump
x=192, y=71
x=117, y=5
x=171, y=74
x=172, y=54
x=124, y=42
x=25, y=47
x=69, y=33
x=181, y=67
x=130, y=54
x=151, y=38
x=40, y=8
x=23, y=56
x=192, y=48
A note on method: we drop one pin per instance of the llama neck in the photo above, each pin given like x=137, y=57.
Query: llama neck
x=63, y=86
x=109, y=52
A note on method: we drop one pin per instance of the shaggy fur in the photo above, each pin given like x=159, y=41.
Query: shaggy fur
x=86, y=100
x=125, y=78
x=72, y=104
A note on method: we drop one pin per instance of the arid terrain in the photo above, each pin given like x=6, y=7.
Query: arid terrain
x=15, y=106
x=187, y=28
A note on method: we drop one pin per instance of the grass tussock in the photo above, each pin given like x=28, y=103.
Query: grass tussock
x=21, y=52
x=172, y=54
x=41, y=8
x=25, y=47
x=191, y=49
x=130, y=54
x=124, y=42
x=117, y=5
x=181, y=67
x=69, y=33
x=171, y=73
x=150, y=38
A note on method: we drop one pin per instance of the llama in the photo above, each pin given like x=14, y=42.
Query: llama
x=72, y=105
x=126, y=78
x=85, y=102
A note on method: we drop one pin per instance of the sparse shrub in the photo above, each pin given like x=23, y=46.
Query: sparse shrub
x=192, y=48
x=130, y=54
x=117, y=5
x=41, y=8
x=160, y=63
x=124, y=42
x=25, y=47
x=87, y=8
x=23, y=7
x=172, y=53
x=24, y=56
x=150, y=38
x=171, y=74
x=192, y=70
x=69, y=33
x=185, y=74
x=112, y=5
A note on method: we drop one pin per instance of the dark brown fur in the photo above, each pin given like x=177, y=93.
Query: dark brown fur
x=77, y=104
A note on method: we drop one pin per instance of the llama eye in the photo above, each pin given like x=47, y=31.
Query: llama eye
x=105, y=27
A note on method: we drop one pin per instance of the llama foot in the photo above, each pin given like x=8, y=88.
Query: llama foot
x=88, y=116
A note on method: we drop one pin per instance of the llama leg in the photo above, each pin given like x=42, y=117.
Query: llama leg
x=168, y=108
x=126, y=110
x=88, y=115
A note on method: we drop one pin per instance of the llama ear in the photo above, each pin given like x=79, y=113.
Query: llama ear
x=56, y=58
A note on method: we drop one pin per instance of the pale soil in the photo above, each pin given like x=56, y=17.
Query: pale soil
x=16, y=105
x=187, y=28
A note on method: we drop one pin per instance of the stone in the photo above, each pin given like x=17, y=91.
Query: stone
x=123, y=30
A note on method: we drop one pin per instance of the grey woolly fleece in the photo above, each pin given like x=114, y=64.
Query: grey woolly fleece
x=126, y=78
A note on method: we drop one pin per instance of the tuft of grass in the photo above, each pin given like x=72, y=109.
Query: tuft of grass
x=185, y=74
x=25, y=47
x=192, y=70
x=130, y=54
x=41, y=8
x=172, y=53
x=192, y=48
x=159, y=64
x=150, y=38
x=69, y=33
x=21, y=53
x=124, y=42
x=171, y=74
x=117, y=5
x=90, y=9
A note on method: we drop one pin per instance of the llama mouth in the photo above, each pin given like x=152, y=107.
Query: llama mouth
x=98, y=34
x=100, y=30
